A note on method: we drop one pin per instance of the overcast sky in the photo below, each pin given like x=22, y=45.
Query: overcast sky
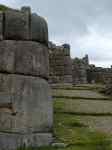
x=85, y=24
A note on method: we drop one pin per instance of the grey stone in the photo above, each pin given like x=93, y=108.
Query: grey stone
x=39, y=29
x=79, y=71
x=68, y=79
x=5, y=98
x=24, y=57
x=32, y=58
x=26, y=9
x=7, y=56
x=14, y=141
x=31, y=102
x=1, y=25
x=16, y=25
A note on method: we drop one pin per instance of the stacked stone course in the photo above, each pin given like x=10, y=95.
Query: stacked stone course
x=79, y=70
x=60, y=64
x=25, y=99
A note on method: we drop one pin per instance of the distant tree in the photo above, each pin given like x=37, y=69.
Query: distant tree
x=3, y=7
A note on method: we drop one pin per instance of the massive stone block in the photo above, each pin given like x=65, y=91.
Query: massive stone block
x=13, y=141
x=1, y=25
x=23, y=57
x=26, y=9
x=17, y=25
x=60, y=64
x=32, y=58
x=25, y=108
x=68, y=79
x=39, y=29
x=26, y=115
x=79, y=71
x=23, y=25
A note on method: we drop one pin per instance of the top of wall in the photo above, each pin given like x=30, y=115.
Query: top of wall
x=63, y=49
x=22, y=25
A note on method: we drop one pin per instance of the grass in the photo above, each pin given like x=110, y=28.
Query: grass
x=83, y=107
x=80, y=97
x=76, y=94
x=95, y=87
x=69, y=129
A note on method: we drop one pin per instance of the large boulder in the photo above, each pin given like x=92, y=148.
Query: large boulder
x=17, y=25
x=23, y=25
x=39, y=29
x=23, y=106
x=24, y=57
x=1, y=25
x=13, y=141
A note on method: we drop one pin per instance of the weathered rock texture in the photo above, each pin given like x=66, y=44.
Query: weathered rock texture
x=32, y=108
x=67, y=64
x=24, y=57
x=25, y=99
x=22, y=25
x=1, y=25
x=39, y=31
x=60, y=64
x=79, y=70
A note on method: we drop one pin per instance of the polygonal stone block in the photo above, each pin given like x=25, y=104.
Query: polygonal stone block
x=16, y=25
x=39, y=29
x=24, y=57
x=31, y=102
x=1, y=25
x=13, y=141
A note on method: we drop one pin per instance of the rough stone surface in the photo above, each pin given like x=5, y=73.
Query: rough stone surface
x=23, y=57
x=79, y=70
x=60, y=64
x=39, y=29
x=1, y=25
x=26, y=9
x=68, y=79
x=16, y=25
x=14, y=141
x=32, y=109
x=26, y=112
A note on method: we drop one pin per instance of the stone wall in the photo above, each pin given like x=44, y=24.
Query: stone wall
x=25, y=99
x=99, y=74
x=79, y=70
x=60, y=64
x=23, y=25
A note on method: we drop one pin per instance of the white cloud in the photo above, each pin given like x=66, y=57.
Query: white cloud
x=10, y=3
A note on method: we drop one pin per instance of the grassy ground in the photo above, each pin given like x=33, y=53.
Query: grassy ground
x=75, y=134
x=95, y=87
